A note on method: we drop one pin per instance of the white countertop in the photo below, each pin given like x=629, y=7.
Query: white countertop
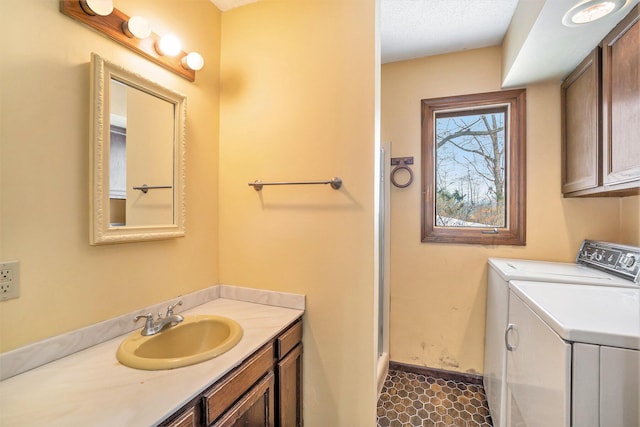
x=91, y=387
x=601, y=315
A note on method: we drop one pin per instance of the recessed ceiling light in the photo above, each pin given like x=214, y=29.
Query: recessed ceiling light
x=591, y=10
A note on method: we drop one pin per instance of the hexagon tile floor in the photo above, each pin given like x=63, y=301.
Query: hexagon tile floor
x=412, y=400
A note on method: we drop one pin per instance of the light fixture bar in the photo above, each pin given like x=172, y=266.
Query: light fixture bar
x=111, y=26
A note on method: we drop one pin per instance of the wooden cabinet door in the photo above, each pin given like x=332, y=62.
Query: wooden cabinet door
x=254, y=409
x=290, y=389
x=621, y=103
x=217, y=400
x=187, y=419
x=581, y=126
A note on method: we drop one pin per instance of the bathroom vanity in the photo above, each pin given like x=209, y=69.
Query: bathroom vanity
x=265, y=388
x=260, y=377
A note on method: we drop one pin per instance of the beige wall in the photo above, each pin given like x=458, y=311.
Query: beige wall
x=297, y=103
x=438, y=290
x=44, y=170
x=630, y=220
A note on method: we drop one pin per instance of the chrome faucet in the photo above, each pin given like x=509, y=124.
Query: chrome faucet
x=152, y=327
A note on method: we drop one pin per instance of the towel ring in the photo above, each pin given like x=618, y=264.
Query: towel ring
x=401, y=165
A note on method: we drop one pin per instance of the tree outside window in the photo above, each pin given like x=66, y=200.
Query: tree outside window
x=474, y=176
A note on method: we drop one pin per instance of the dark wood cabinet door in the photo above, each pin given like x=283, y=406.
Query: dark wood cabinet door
x=254, y=409
x=217, y=400
x=290, y=389
x=581, y=121
x=186, y=419
x=621, y=103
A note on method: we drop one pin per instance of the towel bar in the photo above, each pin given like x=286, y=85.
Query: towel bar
x=336, y=183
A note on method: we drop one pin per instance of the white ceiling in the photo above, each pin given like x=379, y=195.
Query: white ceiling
x=225, y=5
x=417, y=28
x=538, y=47
x=541, y=48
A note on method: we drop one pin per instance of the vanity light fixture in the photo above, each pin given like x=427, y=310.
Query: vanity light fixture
x=169, y=45
x=135, y=33
x=97, y=7
x=193, y=61
x=591, y=10
x=136, y=26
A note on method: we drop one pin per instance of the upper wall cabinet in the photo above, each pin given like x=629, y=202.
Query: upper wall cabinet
x=621, y=103
x=601, y=117
x=581, y=117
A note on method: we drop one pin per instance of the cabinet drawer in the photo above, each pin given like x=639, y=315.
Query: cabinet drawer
x=288, y=340
x=224, y=394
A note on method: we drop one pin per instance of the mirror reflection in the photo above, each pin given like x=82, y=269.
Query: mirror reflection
x=141, y=131
x=137, y=157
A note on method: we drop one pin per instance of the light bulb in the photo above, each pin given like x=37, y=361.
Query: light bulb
x=97, y=7
x=193, y=61
x=136, y=26
x=168, y=45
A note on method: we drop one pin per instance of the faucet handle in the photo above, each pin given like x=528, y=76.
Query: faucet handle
x=171, y=307
x=147, y=316
x=149, y=321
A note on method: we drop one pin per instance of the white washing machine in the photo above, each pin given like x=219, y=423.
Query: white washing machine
x=597, y=263
x=573, y=356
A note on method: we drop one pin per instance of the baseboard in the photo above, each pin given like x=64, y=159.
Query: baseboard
x=437, y=373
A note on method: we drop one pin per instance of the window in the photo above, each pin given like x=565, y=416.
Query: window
x=473, y=157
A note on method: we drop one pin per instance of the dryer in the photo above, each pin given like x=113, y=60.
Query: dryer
x=573, y=355
x=597, y=263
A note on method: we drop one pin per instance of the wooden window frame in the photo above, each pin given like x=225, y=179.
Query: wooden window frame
x=514, y=233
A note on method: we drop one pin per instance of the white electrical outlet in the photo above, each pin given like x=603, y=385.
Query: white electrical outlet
x=9, y=280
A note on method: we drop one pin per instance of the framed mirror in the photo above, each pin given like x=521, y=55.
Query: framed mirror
x=137, y=157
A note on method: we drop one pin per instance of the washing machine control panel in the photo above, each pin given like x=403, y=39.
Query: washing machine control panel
x=621, y=260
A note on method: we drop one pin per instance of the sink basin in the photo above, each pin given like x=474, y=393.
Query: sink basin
x=196, y=339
